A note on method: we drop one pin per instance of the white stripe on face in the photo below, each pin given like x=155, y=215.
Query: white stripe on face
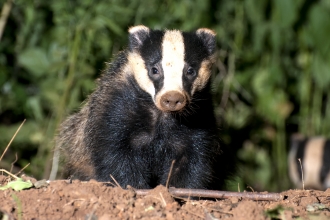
x=172, y=62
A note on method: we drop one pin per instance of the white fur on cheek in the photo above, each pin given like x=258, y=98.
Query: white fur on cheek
x=137, y=65
x=203, y=77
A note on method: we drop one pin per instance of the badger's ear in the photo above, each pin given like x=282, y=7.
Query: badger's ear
x=137, y=35
x=208, y=38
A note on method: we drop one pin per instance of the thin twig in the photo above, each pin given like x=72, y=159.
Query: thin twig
x=12, y=164
x=190, y=212
x=72, y=201
x=56, y=158
x=154, y=197
x=302, y=174
x=9, y=173
x=177, y=192
x=4, y=15
x=19, y=128
x=218, y=210
x=22, y=169
x=169, y=174
x=250, y=188
x=110, y=183
x=163, y=200
x=115, y=181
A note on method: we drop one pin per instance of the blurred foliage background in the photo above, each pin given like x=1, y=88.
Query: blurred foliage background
x=271, y=78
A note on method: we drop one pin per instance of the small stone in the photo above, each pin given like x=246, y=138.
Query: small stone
x=41, y=183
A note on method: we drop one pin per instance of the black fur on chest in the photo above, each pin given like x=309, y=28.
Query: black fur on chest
x=132, y=140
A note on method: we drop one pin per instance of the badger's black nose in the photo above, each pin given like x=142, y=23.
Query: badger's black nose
x=172, y=101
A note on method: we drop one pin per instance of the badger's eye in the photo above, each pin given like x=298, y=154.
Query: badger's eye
x=154, y=70
x=191, y=72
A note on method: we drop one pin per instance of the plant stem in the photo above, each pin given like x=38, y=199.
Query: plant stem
x=317, y=111
x=4, y=15
x=63, y=103
x=305, y=91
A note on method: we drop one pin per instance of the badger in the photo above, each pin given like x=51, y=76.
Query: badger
x=314, y=154
x=152, y=105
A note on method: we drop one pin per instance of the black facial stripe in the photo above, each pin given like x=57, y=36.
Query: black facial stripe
x=325, y=161
x=151, y=52
x=158, y=82
x=300, y=154
x=151, y=49
x=187, y=81
x=195, y=53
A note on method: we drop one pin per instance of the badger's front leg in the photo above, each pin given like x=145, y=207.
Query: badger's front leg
x=193, y=163
x=187, y=173
x=126, y=166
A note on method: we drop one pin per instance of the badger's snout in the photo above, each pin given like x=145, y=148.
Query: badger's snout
x=172, y=101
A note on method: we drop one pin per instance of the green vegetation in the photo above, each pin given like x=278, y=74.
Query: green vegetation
x=271, y=78
x=17, y=185
x=18, y=205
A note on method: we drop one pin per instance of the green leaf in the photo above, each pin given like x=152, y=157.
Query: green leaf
x=275, y=212
x=321, y=72
x=238, y=115
x=113, y=26
x=35, y=106
x=320, y=30
x=17, y=185
x=255, y=10
x=285, y=12
x=35, y=61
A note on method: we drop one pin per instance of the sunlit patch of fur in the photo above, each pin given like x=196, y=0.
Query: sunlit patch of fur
x=135, y=33
x=137, y=28
x=71, y=142
x=204, y=74
x=312, y=162
x=205, y=30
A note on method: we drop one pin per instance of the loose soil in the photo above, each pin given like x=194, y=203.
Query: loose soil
x=63, y=199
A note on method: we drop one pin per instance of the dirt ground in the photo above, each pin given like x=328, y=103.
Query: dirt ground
x=64, y=199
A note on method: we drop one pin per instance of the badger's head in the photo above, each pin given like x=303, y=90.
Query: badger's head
x=171, y=65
